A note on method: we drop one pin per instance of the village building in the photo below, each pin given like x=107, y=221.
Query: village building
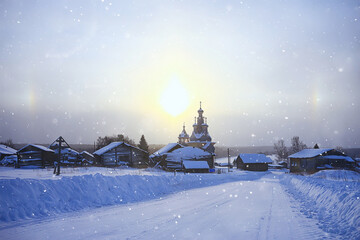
x=183, y=136
x=196, y=166
x=87, y=158
x=200, y=136
x=312, y=160
x=120, y=154
x=253, y=162
x=6, y=151
x=172, y=158
x=33, y=155
x=159, y=157
x=65, y=153
x=7, y=155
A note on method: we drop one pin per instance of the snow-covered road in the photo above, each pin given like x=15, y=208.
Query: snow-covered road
x=257, y=209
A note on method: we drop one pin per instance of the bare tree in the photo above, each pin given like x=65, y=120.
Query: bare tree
x=8, y=143
x=297, y=145
x=104, y=141
x=281, y=150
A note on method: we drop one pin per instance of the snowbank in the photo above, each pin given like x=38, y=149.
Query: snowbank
x=335, y=203
x=32, y=198
x=339, y=175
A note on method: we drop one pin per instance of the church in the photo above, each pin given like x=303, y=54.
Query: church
x=200, y=136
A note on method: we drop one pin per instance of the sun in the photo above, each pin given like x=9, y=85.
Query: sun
x=175, y=98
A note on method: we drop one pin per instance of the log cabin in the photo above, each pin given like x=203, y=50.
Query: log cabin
x=121, y=154
x=253, y=162
x=312, y=160
x=35, y=156
x=172, y=156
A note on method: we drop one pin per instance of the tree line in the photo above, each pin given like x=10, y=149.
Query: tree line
x=104, y=141
x=282, y=152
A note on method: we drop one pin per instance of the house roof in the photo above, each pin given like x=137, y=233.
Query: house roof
x=310, y=153
x=187, y=153
x=190, y=152
x=86, y=153
x=206, y=145
x=168, y=148
x=67, y=151
x=254, y=158
x=7, y=150
x=196, y=165
x=335, y=157
x=112, y=145
x=42, y=148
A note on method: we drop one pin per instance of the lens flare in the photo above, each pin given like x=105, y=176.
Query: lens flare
x=175, y=98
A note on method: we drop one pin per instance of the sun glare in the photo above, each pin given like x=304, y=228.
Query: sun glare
x=175, y=98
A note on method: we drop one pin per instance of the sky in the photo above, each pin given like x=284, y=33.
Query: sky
x=263, y=70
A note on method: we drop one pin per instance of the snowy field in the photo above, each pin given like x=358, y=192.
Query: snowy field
x=104, y=203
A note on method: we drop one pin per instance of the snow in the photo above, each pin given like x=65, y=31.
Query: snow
x=9, y=160
x=67, y=151
x=7, y=150
x=125, y=203
x=334, y=203
x=335, y=157
x=199, y=135
x=38, y=147
x=107, y=148
x=206, y=145
x=338, y=175
x=167, y=148
x=196, y=165
x=225, y=160
x=188, y=153
x=51, y=195
x=254, y=158
x=86, y=153
x=310, y=153
x=112, y=145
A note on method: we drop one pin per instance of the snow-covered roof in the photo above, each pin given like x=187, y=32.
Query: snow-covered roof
x=191, y=152
x=187, y=153
x=199, y=135
x=112, y=145
x=7, y=150
x=168, y=148
x=254, y=158
x=86, y=153
x=67, y=151
x=38, y=147
x=196, y=165
x=183, y=135
x=335, y=157
x=206, y=145
x=310, y=153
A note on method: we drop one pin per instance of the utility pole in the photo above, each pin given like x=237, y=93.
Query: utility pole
x=60, y=140
x=228, y=152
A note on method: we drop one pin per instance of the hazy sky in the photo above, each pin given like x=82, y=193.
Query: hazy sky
x=264, y=70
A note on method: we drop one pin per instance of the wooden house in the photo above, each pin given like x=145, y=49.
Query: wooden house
x=195, y=166
x=65, y=153
x=7, y=155
x=6, y=151
x=159, y=157
x=312, y=160
x=253, y=162
x=87, y=158
x=173, y=160
x=35, y=156
x=121, y=153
